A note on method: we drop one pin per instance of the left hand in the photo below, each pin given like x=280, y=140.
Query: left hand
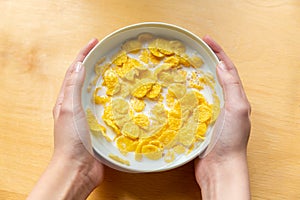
x=73, y=172
x=70, y=125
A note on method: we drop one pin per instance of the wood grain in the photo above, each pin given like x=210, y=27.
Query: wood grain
x=39, y=39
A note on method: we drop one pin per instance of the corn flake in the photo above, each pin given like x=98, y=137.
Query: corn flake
x=141, y=120
x=118, y=159
x=132, y=46
x=95, y=127
x=137, y=104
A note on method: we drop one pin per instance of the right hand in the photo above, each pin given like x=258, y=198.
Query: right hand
x=233, y=123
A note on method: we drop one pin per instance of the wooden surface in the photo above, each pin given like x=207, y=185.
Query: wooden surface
x=39, y=39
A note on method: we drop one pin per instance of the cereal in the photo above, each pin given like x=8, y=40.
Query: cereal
x=95, y=127
x=132, y=46
x=118, y=159
x=169, y=157
x=141, y=120
x=158, y=72
x=131, y=130
x=155, y=91
x=110, y=80
x=142, y=89
x=137, y=104
x=100, y=99
x=178, y=90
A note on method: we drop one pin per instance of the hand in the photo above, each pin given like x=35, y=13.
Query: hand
x=73, y=171
x=71, y=132
x=227, y=159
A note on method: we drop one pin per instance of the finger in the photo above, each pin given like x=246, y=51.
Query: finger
x=232, y=88
x=229, y=74
x=71, y=103
x=218, y=50
x=60, y=97
x=80, y=57
x=85, y=51
x=221, y=54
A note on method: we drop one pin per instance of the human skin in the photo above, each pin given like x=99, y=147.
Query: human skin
x=73, y=172
x=223, y=173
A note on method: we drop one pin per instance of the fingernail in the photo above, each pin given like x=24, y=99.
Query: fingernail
x=222, y=65
x=78, y=66
x=92, y=41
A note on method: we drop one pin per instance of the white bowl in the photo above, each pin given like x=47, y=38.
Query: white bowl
x=111, y=43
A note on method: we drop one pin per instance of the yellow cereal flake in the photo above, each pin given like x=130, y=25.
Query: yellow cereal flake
x=165, y=78
x=137, y=104
x=145, y=56
x=126, y=144
x=162, y=68
x=118, y=159
x=177, y=47
x=179, y=76
x=125, y=89
x=146, y=75
x=120, y=58
x=132, y=46
x=131, y=130
x=191, y=148
x=186, y=134
x=100, y=69
x=155, y=91
x=170, y=99
x=156, y=52
x=179, y=149
x=184, y=60
x=170, y=156
x=96, y=128
x=200, y=97
x=152, y=152
x=173, y=61
x=154, y=59
x=167, y=137
x=189, y=100
x=215, y=107
x=185, y=115
x=109, y=120
x=196, y=61
x=159, y=113
x=127, y=67
x=177, y=89
x=205, y=112
x=145, y=37
x=194, y=85
x=110, y=80
x=100, y=100
x=201, y=130
x=142, y=89
x=120, y=105
x=131, y=74
x=141, y=120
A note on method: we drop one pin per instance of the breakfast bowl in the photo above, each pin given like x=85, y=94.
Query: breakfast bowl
x=151, y=97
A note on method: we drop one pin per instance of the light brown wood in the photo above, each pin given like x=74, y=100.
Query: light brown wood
x=39, y=39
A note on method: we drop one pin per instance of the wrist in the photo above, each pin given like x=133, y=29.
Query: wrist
x=62, y=180
x=225, y=178
x=79, y=173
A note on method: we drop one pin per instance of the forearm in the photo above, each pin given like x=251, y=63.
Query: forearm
x=62, y=180
x=225, y=180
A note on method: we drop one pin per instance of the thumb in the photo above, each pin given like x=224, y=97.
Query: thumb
x=72, y=90
x=231, y=84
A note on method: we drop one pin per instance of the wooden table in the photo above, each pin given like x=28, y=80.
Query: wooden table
x=39, y=39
